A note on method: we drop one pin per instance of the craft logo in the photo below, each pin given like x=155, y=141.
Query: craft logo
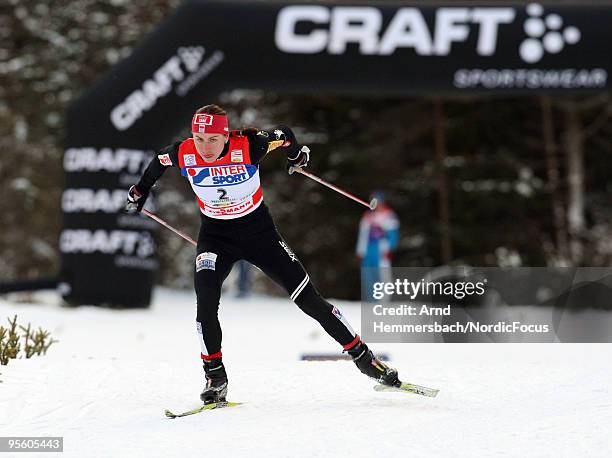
x=186, y=68
x=312, y=29
x=93, y=200
x=545, y=34
x=119, y=160
x=131, y=243
x=333, y=28
x=191, y=56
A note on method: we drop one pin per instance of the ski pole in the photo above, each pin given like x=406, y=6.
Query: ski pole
x=163, y=223
x=372, y=205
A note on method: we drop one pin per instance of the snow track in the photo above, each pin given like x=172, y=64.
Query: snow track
x=105, y=385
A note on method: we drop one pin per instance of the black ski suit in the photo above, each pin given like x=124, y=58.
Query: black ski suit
x=254, y=238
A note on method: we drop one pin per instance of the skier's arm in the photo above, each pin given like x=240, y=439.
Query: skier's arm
x=166, y=157
x=281, y=138
x=138, y=193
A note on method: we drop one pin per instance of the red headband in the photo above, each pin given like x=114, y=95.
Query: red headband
x=203, y=123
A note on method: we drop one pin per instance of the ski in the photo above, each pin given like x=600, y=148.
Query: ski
x=410, y=388
x=214, y=405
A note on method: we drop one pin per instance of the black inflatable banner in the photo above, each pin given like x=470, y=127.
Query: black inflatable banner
x=208, y=47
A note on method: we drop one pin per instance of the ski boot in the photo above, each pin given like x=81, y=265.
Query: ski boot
x=216, y=382
x=373, y=367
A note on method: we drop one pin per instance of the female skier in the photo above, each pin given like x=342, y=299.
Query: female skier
x=222, y=168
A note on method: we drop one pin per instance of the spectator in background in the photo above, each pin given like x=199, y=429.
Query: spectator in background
x=378, y=238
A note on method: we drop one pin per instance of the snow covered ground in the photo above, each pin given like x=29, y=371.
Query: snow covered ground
x=105, y=385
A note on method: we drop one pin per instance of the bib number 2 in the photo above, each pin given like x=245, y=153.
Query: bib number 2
x=222, y=193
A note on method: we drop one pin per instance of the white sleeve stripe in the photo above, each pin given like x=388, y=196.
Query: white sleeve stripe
x=301, y=286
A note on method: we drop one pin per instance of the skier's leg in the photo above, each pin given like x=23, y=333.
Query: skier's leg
x=213, y=264
x=272, y=255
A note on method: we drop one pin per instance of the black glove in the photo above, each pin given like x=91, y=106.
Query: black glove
x=135, y=200
x=299, y=160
